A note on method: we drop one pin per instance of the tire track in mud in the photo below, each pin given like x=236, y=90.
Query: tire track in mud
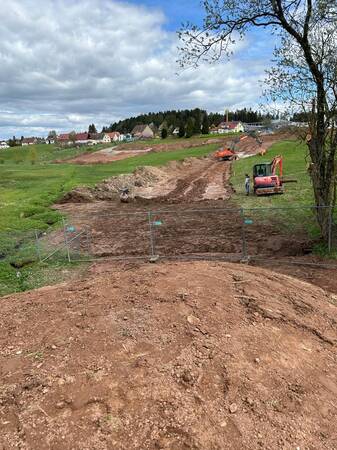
x=209, y=183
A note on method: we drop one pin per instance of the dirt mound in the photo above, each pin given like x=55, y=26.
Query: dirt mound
x=142, y=177
x=192, y=179
x=173, y=356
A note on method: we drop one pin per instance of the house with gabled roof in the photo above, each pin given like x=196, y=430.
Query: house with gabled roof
x=142, y=132
x=29, y=141
x=232, y=127
x=114, y=136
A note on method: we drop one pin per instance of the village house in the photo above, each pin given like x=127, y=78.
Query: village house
x=29, y=141
x=63, y=138
x=78, y=138
x=114, y=136
x=95, y=138
x=231, y=127
x=142, y=132
x=3, y=145
x=82, y=138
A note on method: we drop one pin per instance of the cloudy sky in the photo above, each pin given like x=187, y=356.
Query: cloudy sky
x=67, y=63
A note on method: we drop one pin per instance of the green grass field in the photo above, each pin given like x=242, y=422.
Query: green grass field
x=43, y=153
x=176, y=140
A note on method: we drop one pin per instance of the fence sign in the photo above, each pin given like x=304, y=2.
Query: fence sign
x=248, y=222
x=71, y=229
x=157, y=223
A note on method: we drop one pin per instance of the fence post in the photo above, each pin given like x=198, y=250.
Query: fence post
x=66, y=239
x=243, y=234
x=152, y=254
x=37, y=244
x=330, y=228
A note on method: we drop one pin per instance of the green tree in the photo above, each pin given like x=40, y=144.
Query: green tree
x=52, y=134
x=305, y=71
x=182, y=130
x=205, y=124
x=197, y=122
x=92, y=129
x=190, y=127
x=164, y=133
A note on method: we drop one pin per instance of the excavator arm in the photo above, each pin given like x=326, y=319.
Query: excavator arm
x=277, y=162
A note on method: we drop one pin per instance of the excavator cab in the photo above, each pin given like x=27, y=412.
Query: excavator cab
x=265, y=179
x=262, y=170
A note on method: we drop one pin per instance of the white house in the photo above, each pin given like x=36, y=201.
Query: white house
x=3, y=144
x=111, y=137
x=231, y=127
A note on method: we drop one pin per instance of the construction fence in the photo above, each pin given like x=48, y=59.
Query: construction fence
x=232, y=234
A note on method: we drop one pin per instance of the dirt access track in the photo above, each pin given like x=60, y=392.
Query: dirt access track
x=193, y=179
x=176, y=356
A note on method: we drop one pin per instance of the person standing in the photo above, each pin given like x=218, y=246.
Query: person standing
x=247, y=184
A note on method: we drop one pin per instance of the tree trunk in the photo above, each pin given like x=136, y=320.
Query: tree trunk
x=323, y=180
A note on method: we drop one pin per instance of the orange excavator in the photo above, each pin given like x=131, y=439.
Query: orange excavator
x=266, y=181
x=228, y=153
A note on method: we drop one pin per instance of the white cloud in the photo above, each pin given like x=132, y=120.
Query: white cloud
x=67, y=63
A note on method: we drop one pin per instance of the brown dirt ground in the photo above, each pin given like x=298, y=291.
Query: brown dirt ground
x=176, y=356
x=106, y=156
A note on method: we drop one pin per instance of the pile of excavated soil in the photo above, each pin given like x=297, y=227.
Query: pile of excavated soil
x=170, y=356
x=142, y=177
x=192, y=179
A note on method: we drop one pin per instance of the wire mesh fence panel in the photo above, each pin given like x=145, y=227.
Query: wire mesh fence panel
x=232, y=234
x=51, y=244
x=196, y=233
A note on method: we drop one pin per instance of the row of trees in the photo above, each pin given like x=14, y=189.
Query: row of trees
x=190, y=128
x=174, y=119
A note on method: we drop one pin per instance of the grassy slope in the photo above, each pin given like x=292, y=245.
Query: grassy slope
x=44, y=153
x=296, y=195
x=26, y=193
x=176, y=140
